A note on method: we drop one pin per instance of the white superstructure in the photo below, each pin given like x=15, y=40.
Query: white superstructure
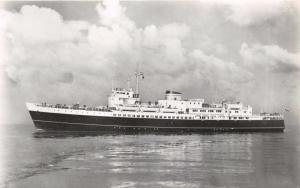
x=126, y=103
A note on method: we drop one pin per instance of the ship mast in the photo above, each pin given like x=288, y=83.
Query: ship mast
x=128, y=83
x=137, y=75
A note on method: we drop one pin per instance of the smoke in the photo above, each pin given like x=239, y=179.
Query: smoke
x=49, y=58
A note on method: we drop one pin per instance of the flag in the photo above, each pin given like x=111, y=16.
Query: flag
x=142, y=74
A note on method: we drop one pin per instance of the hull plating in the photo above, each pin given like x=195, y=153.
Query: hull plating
x=65, y=122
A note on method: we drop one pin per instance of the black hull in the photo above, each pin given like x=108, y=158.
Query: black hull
x=66, y=122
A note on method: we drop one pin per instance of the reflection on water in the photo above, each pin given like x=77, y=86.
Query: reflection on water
x=72, y=159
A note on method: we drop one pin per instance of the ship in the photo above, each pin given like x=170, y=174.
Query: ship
x=125, y=112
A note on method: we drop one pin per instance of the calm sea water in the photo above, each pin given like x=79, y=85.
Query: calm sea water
x=30, y=158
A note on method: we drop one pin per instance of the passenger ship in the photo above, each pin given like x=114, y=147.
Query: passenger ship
x=126, y=112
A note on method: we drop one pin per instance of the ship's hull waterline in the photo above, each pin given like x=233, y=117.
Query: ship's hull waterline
x=71, y=122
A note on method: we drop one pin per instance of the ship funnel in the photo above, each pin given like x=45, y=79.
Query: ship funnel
x=173, y=95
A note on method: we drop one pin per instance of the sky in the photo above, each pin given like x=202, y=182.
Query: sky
x=69, y=52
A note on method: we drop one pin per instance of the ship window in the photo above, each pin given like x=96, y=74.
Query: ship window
x=129, y=115
x=240, y=117
x=124, y=115
x=190, y=117
x=195, y=110
x=147, y=116
x=156, y=116
x=236, y=111
x=234, y=117
x=219, y=110
x=177, y=117
x=247, y=117
x=137, y=115
x=119, y=114
x=165, y=116
x=245, y=111
x=160, y=116
x=133, y=115
x=202, y=110
x=151, y=116
x=143, y=116
x=211, y=110
x=114, y=115
x=185, y=117
x=181, y=117
x=169, y=117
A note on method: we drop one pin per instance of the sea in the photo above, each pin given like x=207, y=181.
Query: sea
x=40, y=159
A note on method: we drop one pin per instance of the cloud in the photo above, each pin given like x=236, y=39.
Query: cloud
x=112, y=13
x=45, y=50
x=247, y=13
x=253, y=12
x=38, y=25
x=272, y=57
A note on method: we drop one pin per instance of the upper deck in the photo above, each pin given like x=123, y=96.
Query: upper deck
x=144, y=112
